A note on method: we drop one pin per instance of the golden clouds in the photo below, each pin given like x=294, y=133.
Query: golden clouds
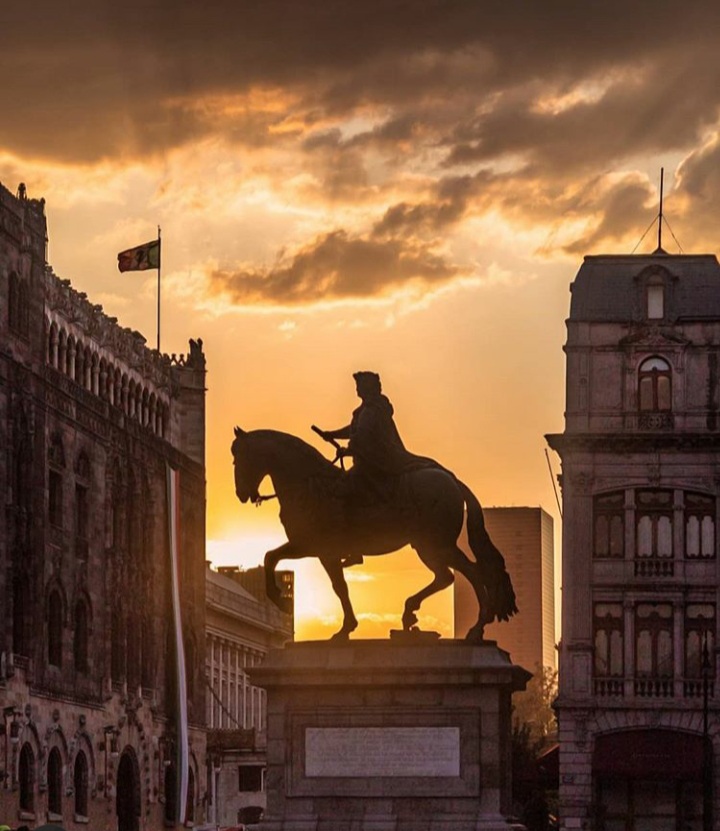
x=336, y=266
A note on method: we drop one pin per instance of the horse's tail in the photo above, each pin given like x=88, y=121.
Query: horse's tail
x=491, y=562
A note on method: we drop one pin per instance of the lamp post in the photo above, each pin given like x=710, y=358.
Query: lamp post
x=707, y=747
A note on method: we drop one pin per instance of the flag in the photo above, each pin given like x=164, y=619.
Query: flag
x=140, y=258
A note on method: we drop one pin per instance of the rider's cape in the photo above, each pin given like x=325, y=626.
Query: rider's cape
x=375, y=443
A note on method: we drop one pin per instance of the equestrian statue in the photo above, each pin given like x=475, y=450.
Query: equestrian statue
x=388, y=499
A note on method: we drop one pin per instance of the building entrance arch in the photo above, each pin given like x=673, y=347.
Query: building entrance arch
x=648, y=780
x=128, y=792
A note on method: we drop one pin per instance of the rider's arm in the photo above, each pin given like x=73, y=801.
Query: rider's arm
x=341, y=433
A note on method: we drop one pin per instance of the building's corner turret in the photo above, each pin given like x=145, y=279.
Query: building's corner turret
x=188, y=372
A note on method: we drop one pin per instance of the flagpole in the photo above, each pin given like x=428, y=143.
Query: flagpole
x=158, y=290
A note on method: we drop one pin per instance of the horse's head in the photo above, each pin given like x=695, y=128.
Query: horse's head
x=248, y=476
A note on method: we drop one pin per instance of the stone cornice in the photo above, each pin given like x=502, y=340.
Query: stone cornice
x=633, y=442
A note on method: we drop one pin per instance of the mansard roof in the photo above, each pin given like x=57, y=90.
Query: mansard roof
x=610, y=287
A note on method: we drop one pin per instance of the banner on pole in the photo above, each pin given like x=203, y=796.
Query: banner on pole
x=140, y=258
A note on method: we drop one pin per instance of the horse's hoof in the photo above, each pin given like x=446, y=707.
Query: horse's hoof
x=339, y=637
x=476, y=634
x=409, y=619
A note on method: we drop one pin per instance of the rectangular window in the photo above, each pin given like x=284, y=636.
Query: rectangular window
x=654, y=550
x=251, y=778
x=609, y=525
x=81, y=512
x=699, y=526
x=655, y=302
x=654, y=640
x=699, y=638
x=55, y=499
x=608, y=632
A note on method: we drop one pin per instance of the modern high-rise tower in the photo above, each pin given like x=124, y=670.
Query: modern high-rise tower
x=525, y=538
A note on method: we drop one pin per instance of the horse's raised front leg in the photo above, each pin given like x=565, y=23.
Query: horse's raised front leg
x=443, y=578
x=285, y=552
x=334, y=571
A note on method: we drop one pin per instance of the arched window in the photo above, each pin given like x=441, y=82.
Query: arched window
x=70, y=355
x=80, y=637
x=62, y=351
x=55, y=627
x=80, y=784
x=54, y=777
x=53, y=345
x=79, y=363
x=190, y=802
x=699, y=526
x=655, y=386
x=26, y=775
x=56, y=461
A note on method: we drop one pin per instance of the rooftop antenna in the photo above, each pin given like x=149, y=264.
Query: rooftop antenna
x=660, y=218
x=660, y=213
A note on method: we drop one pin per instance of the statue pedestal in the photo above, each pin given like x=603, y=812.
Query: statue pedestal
x=397, y=735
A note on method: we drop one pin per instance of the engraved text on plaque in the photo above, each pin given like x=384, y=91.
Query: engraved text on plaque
x=382, y=751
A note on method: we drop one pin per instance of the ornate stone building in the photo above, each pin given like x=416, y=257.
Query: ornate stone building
x=638, y=714
x=242, y=625
x=90, y=419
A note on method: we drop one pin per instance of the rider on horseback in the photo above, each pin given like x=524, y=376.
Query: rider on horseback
x=378, y=453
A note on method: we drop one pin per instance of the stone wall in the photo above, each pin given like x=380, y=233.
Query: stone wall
x=91, y=419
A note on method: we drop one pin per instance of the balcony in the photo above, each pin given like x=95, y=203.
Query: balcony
x=609, y=687
x=693, y=687
x=654, y=687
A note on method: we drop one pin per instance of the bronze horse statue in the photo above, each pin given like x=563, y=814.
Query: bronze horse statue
x=428, y=516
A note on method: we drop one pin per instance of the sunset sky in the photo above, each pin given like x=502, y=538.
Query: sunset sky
x=407, y=187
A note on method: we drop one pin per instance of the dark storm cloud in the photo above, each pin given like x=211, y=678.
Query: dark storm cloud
x=537, y=111
x=96, y=79
x=654, y=109
x=336, y=266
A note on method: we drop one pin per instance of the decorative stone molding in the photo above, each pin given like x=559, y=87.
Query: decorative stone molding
x=653, y=473
x=582, y=481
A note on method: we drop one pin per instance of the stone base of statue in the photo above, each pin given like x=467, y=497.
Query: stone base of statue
x=409, y=734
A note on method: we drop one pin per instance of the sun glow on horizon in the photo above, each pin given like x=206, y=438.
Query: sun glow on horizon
x=378, y=589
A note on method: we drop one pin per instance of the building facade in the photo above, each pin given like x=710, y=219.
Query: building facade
x=242, y=625
x=525, y=538
x=638, y=715
x=90, y=421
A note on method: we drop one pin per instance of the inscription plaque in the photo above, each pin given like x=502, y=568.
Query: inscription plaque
x=364, y=752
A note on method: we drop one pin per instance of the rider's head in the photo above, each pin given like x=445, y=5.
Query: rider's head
x=367, y=383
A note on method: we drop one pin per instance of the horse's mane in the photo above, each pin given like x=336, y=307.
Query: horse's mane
x=305, y=453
